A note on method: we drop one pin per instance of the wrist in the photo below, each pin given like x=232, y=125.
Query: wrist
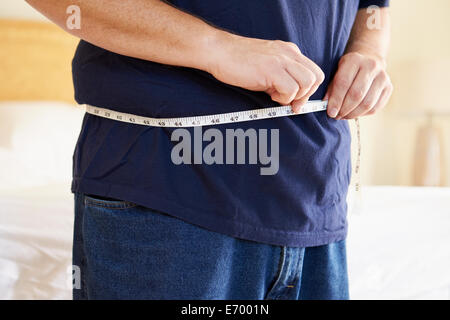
x=214, y=50
x=368, y=50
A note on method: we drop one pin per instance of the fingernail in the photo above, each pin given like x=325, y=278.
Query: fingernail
x=333, y=112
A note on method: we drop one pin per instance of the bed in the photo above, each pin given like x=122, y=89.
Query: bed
x=398, y=244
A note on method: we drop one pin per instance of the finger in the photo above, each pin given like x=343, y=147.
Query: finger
x=341, y=84
x=314, y=88
x=357, y=92
x=369, y=101
x=384, y=98
x=298, y=104
x=284, y=87
x=302, y=98
x=311, y=65
x=319, y=75
x=307, y=81
x=296, y=54
x=304, y=77
x=327, y=95
x=303, y=95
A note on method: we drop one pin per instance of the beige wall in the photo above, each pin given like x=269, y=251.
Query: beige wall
x=420, y=48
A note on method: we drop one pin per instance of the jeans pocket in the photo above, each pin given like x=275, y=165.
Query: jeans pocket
x=117, y=221
x=113, y=204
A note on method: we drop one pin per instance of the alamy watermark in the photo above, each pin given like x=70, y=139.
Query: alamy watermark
x=74, y=19
x=374, y=20
x=74, y=277
x=229, y=149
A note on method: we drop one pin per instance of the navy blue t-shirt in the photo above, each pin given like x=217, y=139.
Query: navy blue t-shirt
x=303, y=204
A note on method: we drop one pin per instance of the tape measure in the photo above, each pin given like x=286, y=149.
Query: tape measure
x=207, y=120
x=232, y=117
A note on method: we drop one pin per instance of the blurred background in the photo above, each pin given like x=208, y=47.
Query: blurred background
x=409, y=142
x=399, y=247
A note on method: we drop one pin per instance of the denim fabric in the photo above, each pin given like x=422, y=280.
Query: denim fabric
x=126, y=251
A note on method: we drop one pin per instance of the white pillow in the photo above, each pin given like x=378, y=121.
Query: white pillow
x=37, y=140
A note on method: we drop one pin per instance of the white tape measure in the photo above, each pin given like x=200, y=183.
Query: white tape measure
x=207, y=120
x=232, y=117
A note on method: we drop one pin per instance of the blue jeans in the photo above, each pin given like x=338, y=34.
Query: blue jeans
x=125, y=251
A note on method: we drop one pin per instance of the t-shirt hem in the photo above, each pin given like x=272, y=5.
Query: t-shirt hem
x=206, y=220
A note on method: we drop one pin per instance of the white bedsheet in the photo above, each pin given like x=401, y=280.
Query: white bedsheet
x=398, y=248
x=36, y=243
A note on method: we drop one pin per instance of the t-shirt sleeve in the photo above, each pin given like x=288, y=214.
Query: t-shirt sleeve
x=367, y=3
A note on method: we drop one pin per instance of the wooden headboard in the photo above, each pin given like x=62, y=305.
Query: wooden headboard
x=35, y=61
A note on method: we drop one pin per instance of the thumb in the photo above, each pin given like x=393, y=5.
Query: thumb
x=327, y=95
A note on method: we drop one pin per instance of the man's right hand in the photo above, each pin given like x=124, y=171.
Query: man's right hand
x=275, y=67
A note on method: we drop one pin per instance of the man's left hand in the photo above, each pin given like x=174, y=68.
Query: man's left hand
x=360, y=87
